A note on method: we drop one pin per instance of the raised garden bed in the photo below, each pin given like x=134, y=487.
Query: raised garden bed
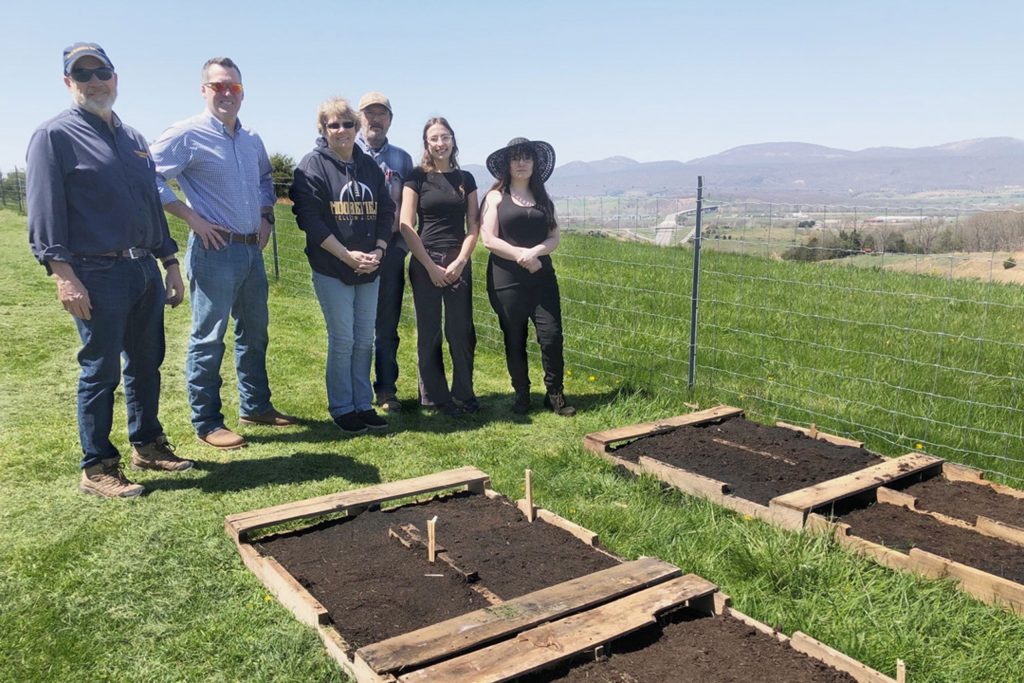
x=779, y=474
x=504, y=597
x=960, y=496
x=987, y=567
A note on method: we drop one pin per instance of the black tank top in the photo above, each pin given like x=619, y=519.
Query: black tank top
x=520, y=226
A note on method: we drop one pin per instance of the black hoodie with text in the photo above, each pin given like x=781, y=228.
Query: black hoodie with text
x=348, y=200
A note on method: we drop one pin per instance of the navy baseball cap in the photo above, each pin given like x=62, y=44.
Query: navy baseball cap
x=73, y=53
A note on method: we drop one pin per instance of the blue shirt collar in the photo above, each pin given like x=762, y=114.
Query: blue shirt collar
x=218, y=125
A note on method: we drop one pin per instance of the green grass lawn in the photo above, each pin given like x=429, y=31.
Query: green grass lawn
x=152, y=589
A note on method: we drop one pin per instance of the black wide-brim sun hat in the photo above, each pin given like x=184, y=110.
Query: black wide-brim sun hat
x=543, y=152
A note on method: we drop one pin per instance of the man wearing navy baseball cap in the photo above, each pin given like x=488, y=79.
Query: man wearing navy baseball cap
x=95, y=222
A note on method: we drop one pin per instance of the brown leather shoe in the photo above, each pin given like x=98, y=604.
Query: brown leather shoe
x=271, y=418
x=108, y=481
x=222, y=438
x=158, y=455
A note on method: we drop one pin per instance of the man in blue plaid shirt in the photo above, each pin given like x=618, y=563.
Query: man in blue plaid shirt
x=224, y=171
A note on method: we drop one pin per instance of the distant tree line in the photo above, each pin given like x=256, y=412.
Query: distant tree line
x=989, y=231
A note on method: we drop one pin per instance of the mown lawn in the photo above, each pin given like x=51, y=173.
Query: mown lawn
x=152, y=589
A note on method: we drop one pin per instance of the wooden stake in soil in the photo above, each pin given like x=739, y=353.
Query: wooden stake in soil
x=531, y=513
x=901, y=671
x=432, y=539
x=814, y=431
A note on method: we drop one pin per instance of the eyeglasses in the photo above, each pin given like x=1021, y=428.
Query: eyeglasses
x=83, y=75
x=221, y=88
x=335, y=125
x=440, y=139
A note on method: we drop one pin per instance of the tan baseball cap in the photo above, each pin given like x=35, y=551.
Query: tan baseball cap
x=371, y=98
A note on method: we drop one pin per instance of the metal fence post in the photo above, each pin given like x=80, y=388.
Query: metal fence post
x=17, y=189
x=696, y=281
x=273, y=240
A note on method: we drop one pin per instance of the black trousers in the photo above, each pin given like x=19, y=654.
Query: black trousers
x=540, y=302
x=389, y=309
x=456, y=300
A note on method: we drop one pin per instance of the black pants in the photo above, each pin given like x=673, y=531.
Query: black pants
x=457, y=302
x=389, y=310
x=540, y=302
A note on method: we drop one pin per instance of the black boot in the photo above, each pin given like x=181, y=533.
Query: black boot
x=521, y=404
x=556, y=401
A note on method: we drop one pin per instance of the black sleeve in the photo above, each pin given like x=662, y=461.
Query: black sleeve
x=309, y=197
x=415, y=180
x=469, y=182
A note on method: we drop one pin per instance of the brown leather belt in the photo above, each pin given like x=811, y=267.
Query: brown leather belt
x=237, y=238
x=135, y=253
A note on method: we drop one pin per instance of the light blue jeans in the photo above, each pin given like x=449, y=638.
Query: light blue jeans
x=226, y=282
x=350, y=312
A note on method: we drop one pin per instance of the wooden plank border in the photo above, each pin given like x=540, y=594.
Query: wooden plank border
x=602, y=442
x=548, y=644
x=468, y=631
x=986, y=587
x=803, y=501
x=242, y=523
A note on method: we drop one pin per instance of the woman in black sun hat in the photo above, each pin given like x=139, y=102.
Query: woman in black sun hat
x=520, y=230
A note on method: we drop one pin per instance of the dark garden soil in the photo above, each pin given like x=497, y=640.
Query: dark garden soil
x=966, y=501
x=898, y=528
x=375, y=588
x=696, y=647
x=756, y=461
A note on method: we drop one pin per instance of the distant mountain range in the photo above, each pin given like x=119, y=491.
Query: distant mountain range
x=797, y=171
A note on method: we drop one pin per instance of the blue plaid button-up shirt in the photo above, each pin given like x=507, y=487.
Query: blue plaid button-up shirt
x=226, y=179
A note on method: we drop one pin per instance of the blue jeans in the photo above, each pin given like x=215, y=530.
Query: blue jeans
x=389, y=310
x=230, y=281
x=350, y=312
x=127, y=319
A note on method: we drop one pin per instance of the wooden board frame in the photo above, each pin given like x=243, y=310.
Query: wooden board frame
x=647, y=588
x=982, y=525
x=306, y=608
x=789, y=510
x=988, y=588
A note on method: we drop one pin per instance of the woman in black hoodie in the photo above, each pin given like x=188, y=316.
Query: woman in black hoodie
x=343, y=205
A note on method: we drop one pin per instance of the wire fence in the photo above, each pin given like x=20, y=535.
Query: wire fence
x=12, y=190
x=901, y=327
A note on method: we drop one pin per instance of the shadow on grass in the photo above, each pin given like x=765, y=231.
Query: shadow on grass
x=218, y=477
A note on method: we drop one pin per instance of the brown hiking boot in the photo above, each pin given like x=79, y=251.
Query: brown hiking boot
x=108, y=481
x=158, y=455
x=556, y=401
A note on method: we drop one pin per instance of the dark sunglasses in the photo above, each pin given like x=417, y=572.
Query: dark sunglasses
x=221, y=88
x=334, y=125
x=83, y=75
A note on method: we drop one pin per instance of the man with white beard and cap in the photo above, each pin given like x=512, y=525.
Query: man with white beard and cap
x=95, y=222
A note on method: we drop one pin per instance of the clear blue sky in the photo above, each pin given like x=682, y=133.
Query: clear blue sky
x=648, y=80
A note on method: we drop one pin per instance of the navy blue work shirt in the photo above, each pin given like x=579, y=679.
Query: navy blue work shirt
x=92, y=190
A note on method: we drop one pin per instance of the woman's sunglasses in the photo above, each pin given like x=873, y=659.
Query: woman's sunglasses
x=336, y=125
x=83, y=75
x=221, y=88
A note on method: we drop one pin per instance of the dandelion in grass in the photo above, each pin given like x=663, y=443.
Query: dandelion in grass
x=918, y=445
x=592, y=379
x=568, y=372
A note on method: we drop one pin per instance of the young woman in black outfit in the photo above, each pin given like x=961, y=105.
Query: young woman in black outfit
x=440, y=222
x=520, y=230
